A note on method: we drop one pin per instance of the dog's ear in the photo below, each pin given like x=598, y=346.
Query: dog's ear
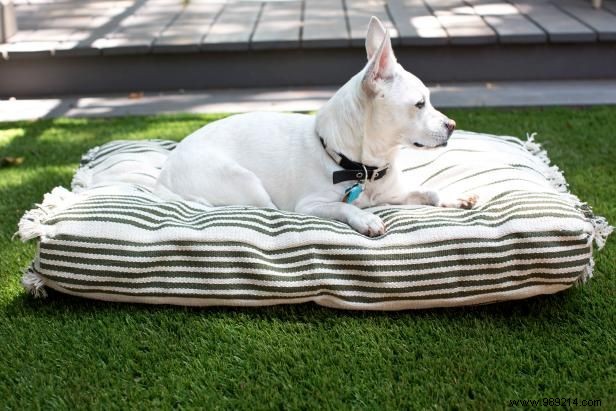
x=382, y=63
x=374, y=37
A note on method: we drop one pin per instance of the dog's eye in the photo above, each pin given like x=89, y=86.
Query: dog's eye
x=421, y=103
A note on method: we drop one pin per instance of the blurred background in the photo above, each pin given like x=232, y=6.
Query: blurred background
x=55, y=48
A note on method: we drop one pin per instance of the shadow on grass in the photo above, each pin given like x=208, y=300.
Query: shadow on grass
x=63, y=141
x=57, y=305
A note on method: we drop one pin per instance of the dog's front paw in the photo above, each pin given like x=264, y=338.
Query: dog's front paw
x=466, y=202
x=368, y=224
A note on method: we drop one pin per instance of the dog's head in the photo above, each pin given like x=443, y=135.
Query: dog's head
x=398, y=102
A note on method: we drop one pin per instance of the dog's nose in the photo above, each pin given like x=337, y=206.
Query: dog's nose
x=450, y=125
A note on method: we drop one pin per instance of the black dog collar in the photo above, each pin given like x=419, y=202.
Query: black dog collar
x=352, y=169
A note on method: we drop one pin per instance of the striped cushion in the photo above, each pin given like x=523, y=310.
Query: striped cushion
x=112, y=239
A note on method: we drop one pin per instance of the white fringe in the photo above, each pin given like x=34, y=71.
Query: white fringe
x=89, y=155
x=82, y=179
x=602, y=231
x=32, y=224
x=535, y=148
x=556, y=177
x=553, y=174
x=587, y=274
x=601, y=228
x=83, y=176
x=34, y=283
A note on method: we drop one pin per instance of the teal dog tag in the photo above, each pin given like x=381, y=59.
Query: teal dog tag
x=352, y=193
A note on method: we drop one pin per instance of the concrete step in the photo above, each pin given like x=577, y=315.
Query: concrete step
x=34, y=76
x=453, y=95
x=100, y=46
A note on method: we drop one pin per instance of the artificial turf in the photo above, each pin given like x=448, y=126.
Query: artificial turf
x=65, y=352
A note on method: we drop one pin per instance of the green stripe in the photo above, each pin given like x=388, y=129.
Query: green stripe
x=113, y=148
x=100, y=158
x=155, y=177
x=100, y=161
x=130, y=150
x=519, y=200
x=108, y=166
x=465, y=135
x=155, y=211
x=335, y=262
x=545, y=185
x=65, y=272
x=335, y=227
x=496, y=139
x=154, y=214
x=441, y=155
x=116, y=145
x=520, y=194
x=175, y=206
x=277, y=220
x=311, y=265
x=317, y=287
x=237, y=221
x=490, y=213
x=517, y=165
x=411, y=220
x=48, y=249
x=529, y=198
x=313, y=246
x=437, y=174
x=479, y=173
x=392, y=230
x=284, y=227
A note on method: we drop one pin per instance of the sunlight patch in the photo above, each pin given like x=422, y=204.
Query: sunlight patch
x=7, y=136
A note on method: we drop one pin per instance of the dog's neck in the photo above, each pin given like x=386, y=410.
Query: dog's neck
x=347, y=125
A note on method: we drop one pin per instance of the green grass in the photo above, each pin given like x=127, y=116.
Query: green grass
x=66, y=352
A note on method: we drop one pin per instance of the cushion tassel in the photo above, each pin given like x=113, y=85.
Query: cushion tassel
x=34, y=283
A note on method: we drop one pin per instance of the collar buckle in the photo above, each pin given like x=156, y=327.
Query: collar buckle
x=353, y=170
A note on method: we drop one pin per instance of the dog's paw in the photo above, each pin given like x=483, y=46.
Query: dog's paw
x=466, y=202
x=368, y=224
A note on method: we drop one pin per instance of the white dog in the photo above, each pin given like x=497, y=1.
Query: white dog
x=331, y=165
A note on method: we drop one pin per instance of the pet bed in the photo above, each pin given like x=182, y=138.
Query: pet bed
x=111, y=239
